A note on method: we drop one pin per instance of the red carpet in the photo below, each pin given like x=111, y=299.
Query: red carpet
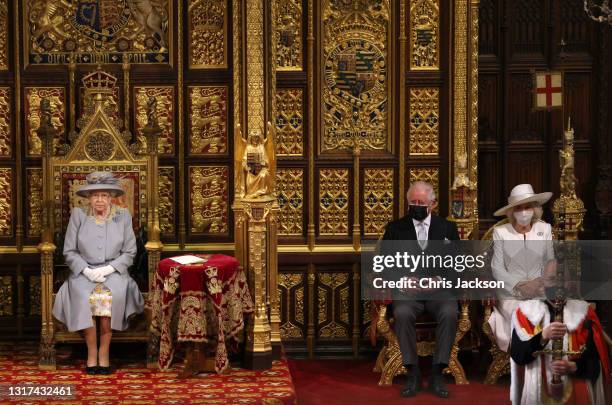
x=352, y=382
x=132, y=383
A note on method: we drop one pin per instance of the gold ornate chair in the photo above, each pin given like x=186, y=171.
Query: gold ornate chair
x=500, y=364
x=99, y=146
x=389, y=361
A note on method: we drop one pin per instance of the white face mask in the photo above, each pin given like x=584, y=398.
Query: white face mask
x=523, y=217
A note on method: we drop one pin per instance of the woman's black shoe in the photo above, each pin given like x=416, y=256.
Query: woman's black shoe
x=91, y=370
x=104, y=370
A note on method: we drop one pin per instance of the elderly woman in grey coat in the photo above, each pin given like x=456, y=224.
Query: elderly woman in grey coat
x=99, y=246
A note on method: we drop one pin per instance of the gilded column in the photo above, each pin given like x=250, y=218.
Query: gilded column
x=47, y=132
x=182, y=227
x=463, y=205
x=255, y=206
x=402, y=108
x=311, y=146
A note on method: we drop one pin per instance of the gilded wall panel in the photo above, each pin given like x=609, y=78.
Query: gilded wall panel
x=292, y=310
x=5, y=122
x=165, y=115
x=207, y=36
x=290, y=192
x=97, y=31
x=289, y=122
x=34, y=200
x=424, y=121
x=33, y=95
x=378, y=200
x=167, y=181
x=112, y=106
x=429, y=174
x=6, y=199
x=333, y=305
x=208, y=120
x=424, y=24
x=6, y=296
x=35, y=295
x=333, y=201
x=355, y=87
x=288, y=35
x=208, y=199
x=4, y=24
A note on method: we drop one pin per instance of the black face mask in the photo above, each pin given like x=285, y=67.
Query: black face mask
x=418, y=212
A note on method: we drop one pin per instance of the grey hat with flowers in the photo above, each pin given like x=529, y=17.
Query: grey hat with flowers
x=100, y=181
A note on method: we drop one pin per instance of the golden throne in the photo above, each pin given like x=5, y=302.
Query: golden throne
x=99, y=146
x=500, y=363
x=389, y=361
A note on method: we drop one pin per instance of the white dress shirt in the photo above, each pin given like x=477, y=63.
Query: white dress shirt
x=425, y=223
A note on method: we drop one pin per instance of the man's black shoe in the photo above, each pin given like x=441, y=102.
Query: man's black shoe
x=413, y=385
x=438, y=386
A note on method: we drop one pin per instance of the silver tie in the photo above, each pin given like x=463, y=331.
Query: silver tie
x=422, y=236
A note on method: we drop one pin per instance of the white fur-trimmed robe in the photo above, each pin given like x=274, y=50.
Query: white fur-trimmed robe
x=529, y=392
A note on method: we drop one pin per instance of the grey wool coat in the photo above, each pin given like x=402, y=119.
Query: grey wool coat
x=88, y=244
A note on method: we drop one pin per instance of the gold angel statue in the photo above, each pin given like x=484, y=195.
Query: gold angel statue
x=255, y=164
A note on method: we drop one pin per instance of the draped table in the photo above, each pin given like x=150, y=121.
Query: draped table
x=200, y=303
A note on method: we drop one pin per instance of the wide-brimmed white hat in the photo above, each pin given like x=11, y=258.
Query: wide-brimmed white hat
x=523, y=194
x=100, y=181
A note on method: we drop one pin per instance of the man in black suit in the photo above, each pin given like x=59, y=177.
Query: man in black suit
x=420, y=225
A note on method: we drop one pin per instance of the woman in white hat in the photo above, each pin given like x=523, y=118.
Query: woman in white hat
x=99, y=246
x=522, y=256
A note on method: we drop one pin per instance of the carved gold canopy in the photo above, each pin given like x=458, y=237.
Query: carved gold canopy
x=99, y=146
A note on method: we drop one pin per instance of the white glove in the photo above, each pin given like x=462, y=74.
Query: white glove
x=106, y=270
x=94, y=275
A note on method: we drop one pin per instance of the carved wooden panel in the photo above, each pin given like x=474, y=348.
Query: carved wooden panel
x=488, y=27
x=289, y=122
x=291, y=290
x=579, y=105
x=424, y=121
x=6, y=201
x=333, y=201
x=524, y=124
x=424, y=23
x=4, y=44
x=165, y=115
x=489, y=186
x=208, y=199
x=288, y=35
x=575, y=27
x=290, y=193
x=33, y=95
x=378, y=199
x=354, y=92
x=527, y=26
x=527, y=167
x=208, y=120
x=333, y=305
x=207, y=36
x=167, y=203
x=34, y=199
x=5, y=122
x=488, y=107
x=34, y=296
x=6, y=296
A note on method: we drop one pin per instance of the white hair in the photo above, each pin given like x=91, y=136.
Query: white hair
x=431, y=193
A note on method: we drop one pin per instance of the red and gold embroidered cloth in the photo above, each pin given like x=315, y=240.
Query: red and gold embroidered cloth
x=203, y=302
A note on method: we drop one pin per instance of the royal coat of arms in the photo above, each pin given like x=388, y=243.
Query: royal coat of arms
x=97, y=31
